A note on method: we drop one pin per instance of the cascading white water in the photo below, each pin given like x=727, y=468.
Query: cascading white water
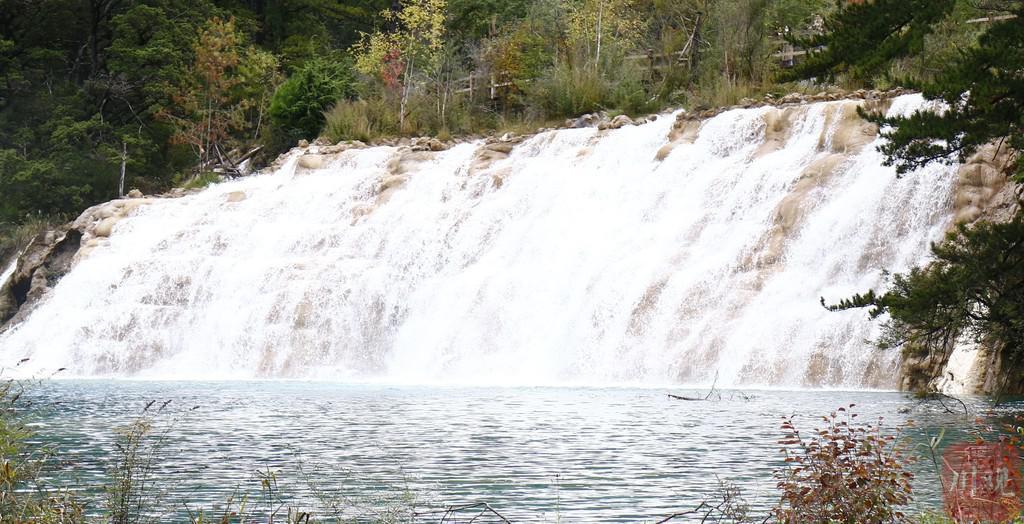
x=591, y=262
x=9, y=270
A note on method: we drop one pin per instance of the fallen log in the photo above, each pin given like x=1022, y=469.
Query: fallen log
x=680, y=397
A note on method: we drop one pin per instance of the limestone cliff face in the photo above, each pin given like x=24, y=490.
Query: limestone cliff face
x=984, y=193
x=51, y=254
x=47, y=258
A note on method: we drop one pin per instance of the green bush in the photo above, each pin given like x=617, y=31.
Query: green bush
x=196, y=181
x=569, y=89
x=629, y=93
x=377, y=117
x=361, y=120
x=565, y=91
x=297, y=108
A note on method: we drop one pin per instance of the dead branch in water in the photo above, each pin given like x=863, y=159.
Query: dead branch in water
x=942, y=398
x=697, y=399
x=683, y=513
x=450, y=512
x=727, y=505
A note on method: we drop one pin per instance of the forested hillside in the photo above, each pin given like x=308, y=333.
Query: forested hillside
x=160, y=90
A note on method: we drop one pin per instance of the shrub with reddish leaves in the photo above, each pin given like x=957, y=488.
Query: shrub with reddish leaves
x=843, y=472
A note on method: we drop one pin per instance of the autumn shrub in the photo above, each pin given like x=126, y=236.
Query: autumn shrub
x=844, y=472
x=220, y=101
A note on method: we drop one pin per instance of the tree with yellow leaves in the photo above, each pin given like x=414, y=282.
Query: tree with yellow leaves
x=416, y=45
x=593, y=23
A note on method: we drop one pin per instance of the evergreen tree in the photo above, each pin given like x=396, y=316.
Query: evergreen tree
x=983, y=97
x=862, y=39
x=974, y=288
x=981, y=92
x=298, y=106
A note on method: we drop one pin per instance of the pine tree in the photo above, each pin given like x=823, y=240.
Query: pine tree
x=974, y=288
x=983, y=95
x=862, y=39
x=981, y=91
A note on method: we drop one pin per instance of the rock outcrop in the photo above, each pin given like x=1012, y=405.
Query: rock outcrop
x=47, y=258
x=851, y=132
x=493, y=151
x=984, y=192
x=51, y=254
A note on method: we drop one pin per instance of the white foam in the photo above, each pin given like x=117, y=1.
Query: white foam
x=592, y=263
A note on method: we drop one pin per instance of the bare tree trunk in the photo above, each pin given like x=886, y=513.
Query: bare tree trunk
x=207, y=138
x=406, y=87
x=600, y=15
x=695, y=50
x=124, y=160
x=259, y=119
x=444, y=98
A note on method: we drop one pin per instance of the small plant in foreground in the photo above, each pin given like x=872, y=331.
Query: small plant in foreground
x=24, y=494
x=132, y=494
x=128, y=492
x=843, y=472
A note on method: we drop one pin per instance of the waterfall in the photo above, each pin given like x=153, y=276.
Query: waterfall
x=641, y=255
x=9, y=270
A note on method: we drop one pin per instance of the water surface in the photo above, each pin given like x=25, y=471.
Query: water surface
x=534, y=454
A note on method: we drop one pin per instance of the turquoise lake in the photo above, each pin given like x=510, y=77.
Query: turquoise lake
x=533, y=454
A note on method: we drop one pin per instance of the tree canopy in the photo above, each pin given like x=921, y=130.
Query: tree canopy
x=161, y=85
x=979, y=92
x=982, y=100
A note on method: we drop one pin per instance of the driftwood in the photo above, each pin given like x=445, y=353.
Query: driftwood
x=249, y=155
x=223, y=164
x=449, y=513
x=942, y=398
x=726, y=505
x=683, y=513
x=698, y=399
x=681, y=397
